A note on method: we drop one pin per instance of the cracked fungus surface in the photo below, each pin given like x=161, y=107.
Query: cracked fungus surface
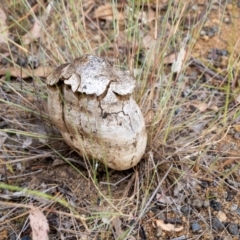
x=90, y=102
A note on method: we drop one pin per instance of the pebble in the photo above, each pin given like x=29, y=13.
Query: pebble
x=33, y=61
x=197, y=203
x=234, y=207
x=230, y=195
x=233, y=229
x=213, y=56
x=204, y=184
x=211, y=33
x=206, y=203
x=222, y=216
x=238, y=211
x=4, y=61
x=237, y=135
x=217, y=225
x=215, y=205
x=195, y=227
x=26, y=238
x=205, y=38
x=224, y=52
x=183, y=237
x=159, y=232
x=22, y=61
x=227, y=20
x=203, y=33
x=186, y=210
x=224, y=61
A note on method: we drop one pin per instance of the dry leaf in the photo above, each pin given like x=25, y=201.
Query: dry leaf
x=169, y=59
x=146, y=17
x=27, y=142
x=164, y=199
x=179, y=186
x=106, y=12
x=168, y=226
x=3, y=31
x=237, y=127
x=214, y=108
x=117, y=224
x=198, y=126
x=149, y=41
x=39, y=225
x=201, y=106
x=178, y=63
x=33, y=34
x=25, y=73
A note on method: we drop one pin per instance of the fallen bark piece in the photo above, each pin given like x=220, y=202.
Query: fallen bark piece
x=90, y=102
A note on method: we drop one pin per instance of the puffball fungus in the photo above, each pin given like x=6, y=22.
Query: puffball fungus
x=90, y=102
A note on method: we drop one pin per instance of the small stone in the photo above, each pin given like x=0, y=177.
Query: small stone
x=206, y=203
x=215, y=205
x=215, y=184
x=26, y=238
x=204, y=184
x=203, y=33
x=230, y=195
x=233, y=229
x=237, y=135
x=205, y=38
x=160, y=215
x=197, y=203
x=224, y=61
x=183, y=237
x=210, y=33
x=213, y=56
x=224, y=52
x=227, y=20
x=238, y=211
x=33, y=61
x=217, y=225
x=214, y=29
x=4, y=61
x=229, y=7
x=196, y=227
x=234, y=207
x=159, y=232
x=22, y=61
x=222, y=216
x=186, y=210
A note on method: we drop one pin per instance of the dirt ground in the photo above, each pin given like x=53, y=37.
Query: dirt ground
x=185, y=187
